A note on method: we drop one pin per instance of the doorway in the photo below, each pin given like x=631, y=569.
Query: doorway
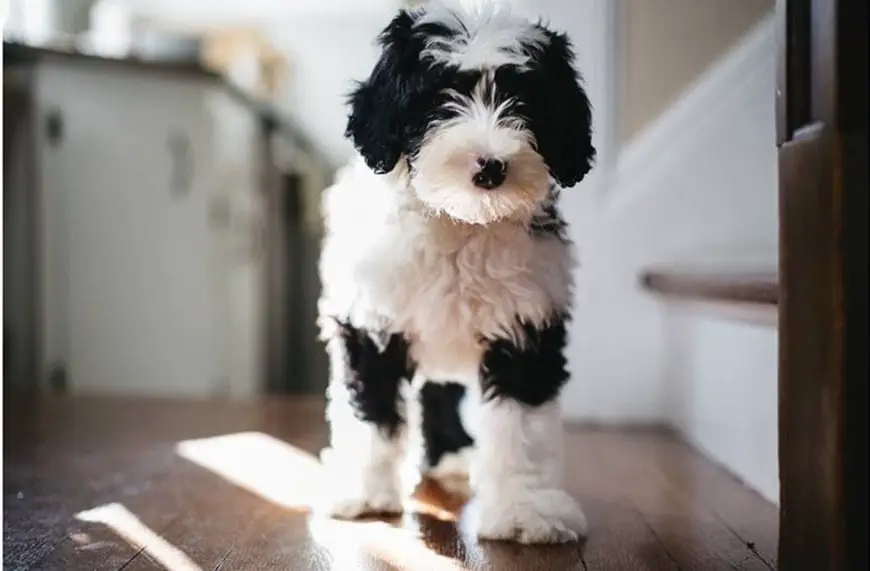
x=20, y=242
x=306, y=358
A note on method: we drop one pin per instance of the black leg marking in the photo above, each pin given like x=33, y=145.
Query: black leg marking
x=533, y=373
x=373, y=376
x=443, y=432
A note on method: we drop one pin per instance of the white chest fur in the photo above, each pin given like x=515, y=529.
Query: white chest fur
x=445, y=285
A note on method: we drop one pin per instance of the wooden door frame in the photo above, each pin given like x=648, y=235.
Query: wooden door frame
x=822, y=140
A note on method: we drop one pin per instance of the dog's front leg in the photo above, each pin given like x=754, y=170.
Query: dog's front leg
x=366, y=424
x=517, y=472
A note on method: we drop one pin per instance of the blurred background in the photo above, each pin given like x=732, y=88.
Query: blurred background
x=164, y=159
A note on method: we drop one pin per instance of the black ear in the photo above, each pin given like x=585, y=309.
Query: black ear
x=563, y=116
x=382, y=107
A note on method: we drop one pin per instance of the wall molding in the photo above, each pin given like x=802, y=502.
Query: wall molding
x=671, y=134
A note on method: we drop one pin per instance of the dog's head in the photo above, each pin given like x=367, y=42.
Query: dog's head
x=483, y=105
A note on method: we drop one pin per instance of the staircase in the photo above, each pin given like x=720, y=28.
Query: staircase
x=721, y=363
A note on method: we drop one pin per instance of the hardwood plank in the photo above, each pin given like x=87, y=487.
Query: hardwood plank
x=751, y=518
x=223, y=503
x=54, y=490
x=211, y=515
x=620, y=538
x=691, y=535
x=282, y=540
x=116, y=451
x=102, y=530
x=97, y=545
x=91, y=547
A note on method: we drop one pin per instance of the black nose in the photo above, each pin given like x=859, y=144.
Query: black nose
x=491, y=174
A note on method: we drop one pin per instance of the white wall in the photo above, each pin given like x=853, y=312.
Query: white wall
x=326, y=54
x=665, y=45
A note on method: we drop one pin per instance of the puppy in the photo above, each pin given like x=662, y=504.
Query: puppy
x=445, y=260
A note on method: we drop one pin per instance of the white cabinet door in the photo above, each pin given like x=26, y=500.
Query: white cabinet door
x=126, y=273
x=239, y=256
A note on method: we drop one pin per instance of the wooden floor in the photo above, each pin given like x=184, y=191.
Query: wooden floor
x=125, y=484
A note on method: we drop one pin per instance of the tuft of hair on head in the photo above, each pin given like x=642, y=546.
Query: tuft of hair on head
x=481, y=34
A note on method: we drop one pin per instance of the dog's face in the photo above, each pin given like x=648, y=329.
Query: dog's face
x=484, y=106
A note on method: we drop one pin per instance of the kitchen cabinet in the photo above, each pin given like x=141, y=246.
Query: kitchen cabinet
x=151, y=210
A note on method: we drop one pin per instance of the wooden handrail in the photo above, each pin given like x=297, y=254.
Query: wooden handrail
x=761, y=287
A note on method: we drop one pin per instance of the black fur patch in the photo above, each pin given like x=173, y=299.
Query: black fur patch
x=443, y=432
x=559, y=113
x=374, y=375
x=390, y=108
x=533, y=374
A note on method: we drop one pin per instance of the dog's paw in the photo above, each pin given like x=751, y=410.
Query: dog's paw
x=349, y=493
x=452, y=465
x=531, y=516
x=357, y=504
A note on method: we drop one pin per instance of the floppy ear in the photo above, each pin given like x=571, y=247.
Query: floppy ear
x=381, y=106
x=563, y=114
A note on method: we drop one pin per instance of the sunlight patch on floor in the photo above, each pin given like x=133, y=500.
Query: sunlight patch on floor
x=291, y=478
x=272, y=469
x=138, y=535
x=401, y=548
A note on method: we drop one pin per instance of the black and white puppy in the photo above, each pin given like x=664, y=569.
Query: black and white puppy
x=445, y=259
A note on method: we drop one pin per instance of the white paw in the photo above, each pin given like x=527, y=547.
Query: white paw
x=350, y=491
x=453, y=465
x=530, y=516
x=356, y=504
x=452, y=472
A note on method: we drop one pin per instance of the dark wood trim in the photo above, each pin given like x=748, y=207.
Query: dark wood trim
x=761, y=287
x=823, y=177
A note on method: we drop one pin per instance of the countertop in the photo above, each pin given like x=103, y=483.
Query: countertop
x=16, y=53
